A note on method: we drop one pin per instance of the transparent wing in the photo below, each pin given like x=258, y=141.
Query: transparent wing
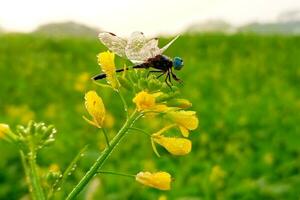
x=134, y=45
x=150, y=49
x=168, y=45
x=113, y=43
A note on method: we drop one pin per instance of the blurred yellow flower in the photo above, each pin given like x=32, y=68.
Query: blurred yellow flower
x=176, y=146
x=268, y=158
x=95, y=108
x=20, y=112
x=217, y=174
x=186, y=120
x=81, y=82
x=107, y=62
x=158, y=180
x=109, y=120
x=54, y=167
x=4, y=129
x=162, y=197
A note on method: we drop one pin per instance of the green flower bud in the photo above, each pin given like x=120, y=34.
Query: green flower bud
x=125, y=83
x=180, y=103
x=154, y=85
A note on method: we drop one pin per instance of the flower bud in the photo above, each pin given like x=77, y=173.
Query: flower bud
x=158, y=180
x=125, y=83
x=180, y=103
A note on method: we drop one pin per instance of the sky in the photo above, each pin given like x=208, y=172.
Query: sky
x=124, y=16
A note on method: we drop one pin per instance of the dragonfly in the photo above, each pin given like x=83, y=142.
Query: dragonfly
x=144, y=54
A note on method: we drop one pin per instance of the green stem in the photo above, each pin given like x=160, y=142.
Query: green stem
x=35, y=184
x=116, y=173
x=140, y=130
x=103, y=156
x=124, y=103
x=106, y=137
x=26, y=170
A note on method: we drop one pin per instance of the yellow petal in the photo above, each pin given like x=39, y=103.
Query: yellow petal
x=107, y=62
x=176, y=146
x=184, y=131
x=144, y=101
x=186, y=120
x=158, y=180
x=95, y=107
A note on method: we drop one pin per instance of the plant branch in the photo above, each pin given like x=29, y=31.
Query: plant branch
x=103, y=156
x=116, y=173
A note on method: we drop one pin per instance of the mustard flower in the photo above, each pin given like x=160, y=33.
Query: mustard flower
x=4, y=129
x=158, y=180
x=107, y=62
x=146, y=102
x=95, y=108
x=175, y=146
x=186, y=120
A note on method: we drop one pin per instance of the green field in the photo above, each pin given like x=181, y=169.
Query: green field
x=245, y=89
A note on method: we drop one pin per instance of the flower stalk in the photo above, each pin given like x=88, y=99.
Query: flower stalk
x=103, y=156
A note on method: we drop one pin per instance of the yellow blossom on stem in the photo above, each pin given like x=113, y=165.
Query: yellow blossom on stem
x=146, y=102
x=95, y=108
x=186, y=120
x=107, y=62
x=176, y=146
x=4, y=129
x=158, y=180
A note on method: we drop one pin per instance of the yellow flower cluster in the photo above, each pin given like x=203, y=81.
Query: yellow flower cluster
x=184, y=120
x=158, y=180
x=147, y=103
x=107, y=62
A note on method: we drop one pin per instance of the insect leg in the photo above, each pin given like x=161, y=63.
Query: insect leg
x=170, y=77
x=176, y=78
x=166, y=80
x=160, y=75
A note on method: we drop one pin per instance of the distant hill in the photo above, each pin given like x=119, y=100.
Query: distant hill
x=211, y=26
x=67, y=29
x=289, y=16
x=283, y=27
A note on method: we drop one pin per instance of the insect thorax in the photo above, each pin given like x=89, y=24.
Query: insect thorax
x=160, y=62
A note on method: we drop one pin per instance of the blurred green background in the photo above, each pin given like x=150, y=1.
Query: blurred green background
x=244, y=87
